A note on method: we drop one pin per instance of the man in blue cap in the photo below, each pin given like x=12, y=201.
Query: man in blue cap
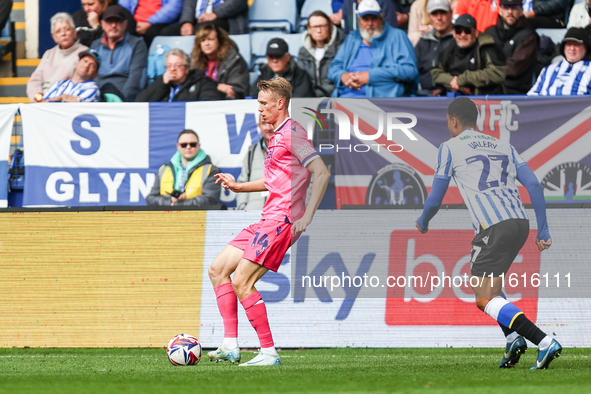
x=375, y=60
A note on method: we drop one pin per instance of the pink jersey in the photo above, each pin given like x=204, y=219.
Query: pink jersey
x=286, y=175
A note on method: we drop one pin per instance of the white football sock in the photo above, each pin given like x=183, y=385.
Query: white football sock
x=511, y=337
x=230, y=343
x=545, y=343
x=270, y=351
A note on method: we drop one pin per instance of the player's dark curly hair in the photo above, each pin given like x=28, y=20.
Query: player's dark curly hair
x=464, y=110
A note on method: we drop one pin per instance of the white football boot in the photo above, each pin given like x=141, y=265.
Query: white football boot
x=223, y=353
x=262, y=359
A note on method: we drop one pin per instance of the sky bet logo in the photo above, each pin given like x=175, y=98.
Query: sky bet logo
x=361, y=129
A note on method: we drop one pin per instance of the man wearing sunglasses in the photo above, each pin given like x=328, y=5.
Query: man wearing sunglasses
x=81, y=87
x=189, y=177
x=472, y=64
x=519, y=43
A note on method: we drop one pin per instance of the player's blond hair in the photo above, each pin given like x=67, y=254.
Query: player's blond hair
x=278, y=87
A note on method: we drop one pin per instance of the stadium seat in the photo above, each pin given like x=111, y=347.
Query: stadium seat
x=295, y=42
x=273, y=15
x=183, y=42
x=556, y=35
x=8, y=44
x=309, y=7
x=259, y=41
x=242, y=41
x=253, y=75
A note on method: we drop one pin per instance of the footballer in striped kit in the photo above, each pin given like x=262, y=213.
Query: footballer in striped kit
x=485, y=170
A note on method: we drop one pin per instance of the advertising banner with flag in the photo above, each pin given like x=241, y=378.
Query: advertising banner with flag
x=95, y=154
x=385, y=150
x=7, y=112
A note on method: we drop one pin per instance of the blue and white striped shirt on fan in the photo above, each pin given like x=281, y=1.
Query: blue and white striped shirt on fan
x=87, y=91
x=563, y=79
x=485, y=169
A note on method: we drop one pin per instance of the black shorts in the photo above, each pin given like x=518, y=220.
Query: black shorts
x=494, y=249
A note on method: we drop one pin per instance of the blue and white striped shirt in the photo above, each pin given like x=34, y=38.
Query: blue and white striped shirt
x=563, y=79
x=88, y=91
x=485, y=169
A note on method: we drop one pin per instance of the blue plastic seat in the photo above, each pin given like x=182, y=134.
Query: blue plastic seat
x=309, y=7
x=295, y=43
x=242, y=41
x=182, y=42
x=273, y=15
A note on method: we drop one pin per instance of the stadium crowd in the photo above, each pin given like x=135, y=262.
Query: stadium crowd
x=362, y=48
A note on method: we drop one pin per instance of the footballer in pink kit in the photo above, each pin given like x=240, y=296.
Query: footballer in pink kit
x=289, y=165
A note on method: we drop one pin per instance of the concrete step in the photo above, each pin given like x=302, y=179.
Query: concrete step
x=14, y=100
x=13, y=87
x=25, y=67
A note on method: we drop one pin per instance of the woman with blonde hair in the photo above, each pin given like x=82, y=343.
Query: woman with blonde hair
x=217, y=55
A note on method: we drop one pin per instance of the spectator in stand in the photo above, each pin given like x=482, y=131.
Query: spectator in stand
x=374, y=61
x=429, y=47
x=215, y=54
x=153, y=15
x=88, y=21
x=392, y=11
x=579, y=15
x=484, y=11
x=472, y=63
x=419, y=22
x=58, y=62
x=252, y=170
x=189, y=177
x=81, y=87
x=519, y=43
x=5, y=8
x=571, y=76
x=180, y=83
x=548, y=14
x=337, y=15
x=321, y=41
x=281, y=64
x=230, y=15
x=123, y=71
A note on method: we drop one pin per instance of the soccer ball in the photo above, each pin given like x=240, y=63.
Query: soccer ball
x=184, y=349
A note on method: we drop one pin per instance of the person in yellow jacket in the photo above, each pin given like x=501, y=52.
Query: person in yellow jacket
x=189, y=177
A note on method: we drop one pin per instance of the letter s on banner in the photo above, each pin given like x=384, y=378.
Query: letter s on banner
x=95, y=142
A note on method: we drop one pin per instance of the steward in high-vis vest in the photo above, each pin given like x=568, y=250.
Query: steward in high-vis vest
x=189, y=177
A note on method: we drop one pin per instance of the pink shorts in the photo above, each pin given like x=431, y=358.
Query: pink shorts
x=265, y=242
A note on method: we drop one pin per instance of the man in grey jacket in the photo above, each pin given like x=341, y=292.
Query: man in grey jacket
x=431, y=44
x=189, y=177
x=230, y=15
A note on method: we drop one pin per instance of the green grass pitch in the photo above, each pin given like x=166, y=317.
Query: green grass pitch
x=348, y=370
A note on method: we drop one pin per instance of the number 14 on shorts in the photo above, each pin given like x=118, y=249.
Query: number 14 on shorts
x=262, y=241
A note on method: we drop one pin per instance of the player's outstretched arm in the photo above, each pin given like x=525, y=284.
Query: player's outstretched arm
x=229, y=183
x=432, y=204
x=321, y=177
x=536, y=194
